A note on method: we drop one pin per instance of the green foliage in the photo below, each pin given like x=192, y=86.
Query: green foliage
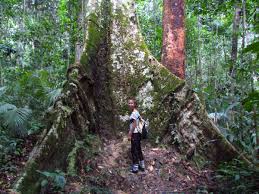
x=33, y=58
x=152, y=36
x=251, y=102
x=7, y=147
x=35, y=89
x=53, y=181
x=253, y=47
x=2, y=90
x=53, y=95
x=36, y=46
x=63, y=12
x=15, y=119
x=237, y=177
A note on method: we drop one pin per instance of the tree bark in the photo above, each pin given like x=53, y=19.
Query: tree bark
x=199, y=42
x=116, y=64
x=236, y=23
x=173, y=50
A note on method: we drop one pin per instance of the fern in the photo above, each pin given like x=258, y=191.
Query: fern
x=15, y=119
x=2, y=90
x=54, y=180
x=53, y=95
x=237, y=177
x=5, y=107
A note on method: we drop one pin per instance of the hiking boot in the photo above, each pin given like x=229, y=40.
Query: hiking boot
x=133, y=171
x=141, y=169
x=134, y=168
x=141, y=165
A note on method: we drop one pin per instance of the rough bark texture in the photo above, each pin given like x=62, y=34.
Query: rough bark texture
x=193, y=132
x=173, y=50
x=236, y=23
x=114, y=65
x=71, y=118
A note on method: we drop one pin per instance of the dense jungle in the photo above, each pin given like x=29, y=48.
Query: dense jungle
x=69, y=67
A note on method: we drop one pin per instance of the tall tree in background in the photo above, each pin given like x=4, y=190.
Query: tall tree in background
x=173, y=49
x=236, y=23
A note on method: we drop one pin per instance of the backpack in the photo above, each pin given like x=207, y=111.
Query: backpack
x=143, y=128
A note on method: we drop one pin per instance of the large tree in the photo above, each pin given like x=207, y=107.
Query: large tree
x=115, y=64
x=173, y=50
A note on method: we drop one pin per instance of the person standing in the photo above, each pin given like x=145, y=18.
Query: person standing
x=135, y=137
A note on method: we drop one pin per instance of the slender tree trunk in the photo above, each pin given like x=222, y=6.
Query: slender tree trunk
x=199, y=50
x=244, y=23
x=236, y=23
x=255, y=127
x=243, y=29
x=224, y=49
x=80, y=42
x=241, y=116
x=173, y=50
x=196, y=70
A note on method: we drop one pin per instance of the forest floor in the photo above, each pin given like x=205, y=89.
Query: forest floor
x=166, y=172
x=108, y=172
x=15, y=163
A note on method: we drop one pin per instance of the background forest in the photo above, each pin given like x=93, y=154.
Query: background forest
x=38, y=40
x=231, y=99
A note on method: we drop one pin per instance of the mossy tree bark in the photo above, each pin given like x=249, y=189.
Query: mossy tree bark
x=115, y=64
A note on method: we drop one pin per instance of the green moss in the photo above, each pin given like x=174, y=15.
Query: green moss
x=129, y=45
x=93, y=40
x=124, y=22
x=72, y=157
x=89, y=146
x=199, y=161
x=74, y=74
x=31, y=180
x=168, y=80
x=144, y=48
x=136, y=84
x=97, y=30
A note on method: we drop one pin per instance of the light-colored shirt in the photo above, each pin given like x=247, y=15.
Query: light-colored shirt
x=134, y=116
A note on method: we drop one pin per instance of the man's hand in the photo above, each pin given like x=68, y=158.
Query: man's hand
x=129, y=136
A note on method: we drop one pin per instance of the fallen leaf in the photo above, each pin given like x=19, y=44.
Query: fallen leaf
x=150, y=168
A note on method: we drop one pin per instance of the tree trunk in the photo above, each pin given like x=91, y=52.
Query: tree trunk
x=173, y=50
x=116, y=64
x=199, y=42
x=243, y=29
x=236, y=23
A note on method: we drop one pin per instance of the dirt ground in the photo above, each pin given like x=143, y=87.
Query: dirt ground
x=166, y=172
x=108, y=172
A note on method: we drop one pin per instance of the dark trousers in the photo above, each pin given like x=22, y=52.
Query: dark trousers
x=136, y=148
